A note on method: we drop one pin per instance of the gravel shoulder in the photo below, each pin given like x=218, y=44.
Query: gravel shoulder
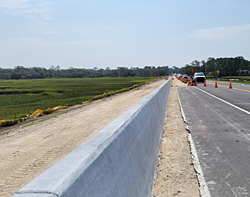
x=175, y=174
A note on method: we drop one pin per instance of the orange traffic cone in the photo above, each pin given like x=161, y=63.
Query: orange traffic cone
x=230, y=85
x=205, y=85
x=195, y=82
x=216, y=86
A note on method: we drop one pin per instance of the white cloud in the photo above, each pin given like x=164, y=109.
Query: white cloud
x=13, y=4
x=221, y=32
x=41, y=9
x=44, y=13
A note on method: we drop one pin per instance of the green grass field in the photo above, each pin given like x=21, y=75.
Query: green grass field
x=240, y=78
x=21, y=97
x=235, y=79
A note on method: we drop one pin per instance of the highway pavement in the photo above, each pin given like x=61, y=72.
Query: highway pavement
x=219, y=123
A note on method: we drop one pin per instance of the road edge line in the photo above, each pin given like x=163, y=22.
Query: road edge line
x=204, y=191
x=224, y=101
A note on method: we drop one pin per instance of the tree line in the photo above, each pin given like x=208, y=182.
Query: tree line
x=20, y=72
x=226, y=66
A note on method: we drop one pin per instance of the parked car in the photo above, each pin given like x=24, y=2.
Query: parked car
x=199, y=77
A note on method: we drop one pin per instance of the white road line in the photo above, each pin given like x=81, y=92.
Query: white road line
x=247, y=112
x=218, y=148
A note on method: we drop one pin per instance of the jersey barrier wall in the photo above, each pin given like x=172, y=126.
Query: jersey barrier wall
x=120, y=160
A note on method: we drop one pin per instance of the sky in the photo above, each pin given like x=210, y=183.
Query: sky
x=116, y=33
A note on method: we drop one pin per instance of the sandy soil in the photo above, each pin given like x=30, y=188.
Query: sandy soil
x=175, y=175
x=28, y=151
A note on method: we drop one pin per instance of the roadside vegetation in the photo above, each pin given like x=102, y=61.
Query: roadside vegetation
x=237, y=79
x=22, y=97
x=226, y=66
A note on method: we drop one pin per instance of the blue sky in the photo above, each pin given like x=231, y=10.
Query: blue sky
x=112, y=33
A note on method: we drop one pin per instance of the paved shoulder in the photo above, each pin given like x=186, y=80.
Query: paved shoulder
x=221, y=137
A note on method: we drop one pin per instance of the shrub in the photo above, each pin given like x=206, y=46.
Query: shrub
x=9, y=123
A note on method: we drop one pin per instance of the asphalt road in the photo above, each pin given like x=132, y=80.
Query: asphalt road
x=219, y=123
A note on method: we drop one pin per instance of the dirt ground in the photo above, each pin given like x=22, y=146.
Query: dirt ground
x=175, y=175
x=27, y=151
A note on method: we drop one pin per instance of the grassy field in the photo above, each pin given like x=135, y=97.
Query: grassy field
x=239, y=78
x=21, y=97
x=235, y=79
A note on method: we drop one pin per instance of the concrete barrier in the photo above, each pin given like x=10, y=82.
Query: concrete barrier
x=118, y=161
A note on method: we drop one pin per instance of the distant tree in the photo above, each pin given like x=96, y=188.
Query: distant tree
x=174, y=69
x=226, y=66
